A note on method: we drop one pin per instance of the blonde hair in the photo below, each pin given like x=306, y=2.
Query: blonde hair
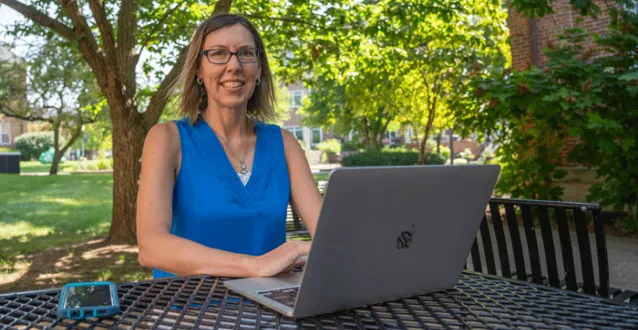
x=193, y=99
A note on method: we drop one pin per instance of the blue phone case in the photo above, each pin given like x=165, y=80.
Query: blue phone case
x=88, y=311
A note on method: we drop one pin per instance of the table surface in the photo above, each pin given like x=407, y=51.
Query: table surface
x=478, y=301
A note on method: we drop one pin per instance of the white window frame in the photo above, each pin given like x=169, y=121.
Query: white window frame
x=7, y=127
x=312, y=134
x=294, y=93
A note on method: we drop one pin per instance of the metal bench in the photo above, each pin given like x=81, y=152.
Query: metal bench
x=524, y=261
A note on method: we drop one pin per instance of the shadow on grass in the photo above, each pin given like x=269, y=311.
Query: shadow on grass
x=38, y=213
x=90, y=260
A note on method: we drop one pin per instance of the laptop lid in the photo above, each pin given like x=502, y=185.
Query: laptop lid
x=386, y=233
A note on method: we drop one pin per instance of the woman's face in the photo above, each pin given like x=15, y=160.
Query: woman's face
x=229, y=85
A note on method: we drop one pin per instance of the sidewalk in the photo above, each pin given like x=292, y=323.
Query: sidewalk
x=622, y=254
x=316, y=168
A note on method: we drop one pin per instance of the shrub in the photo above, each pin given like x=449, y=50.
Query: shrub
x=389, y=157
x=445, y=152
x=467, y=154
x=330, y=147
x=104, y=164
x=351, y=146
x=31, y=145
x=3, y=149
x=460, y=160
x=434, y=159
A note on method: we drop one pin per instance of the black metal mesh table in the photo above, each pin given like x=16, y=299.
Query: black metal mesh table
x=478, y=301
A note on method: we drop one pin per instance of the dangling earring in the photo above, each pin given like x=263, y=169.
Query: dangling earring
x=258, y=81
x=203, y=102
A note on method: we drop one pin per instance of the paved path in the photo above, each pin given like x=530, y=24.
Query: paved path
x=622, y=254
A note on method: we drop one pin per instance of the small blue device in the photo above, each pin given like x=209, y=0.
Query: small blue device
x=88, y=299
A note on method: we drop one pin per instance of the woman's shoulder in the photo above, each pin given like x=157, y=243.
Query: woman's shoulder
x=164, y=136
x=162, y=131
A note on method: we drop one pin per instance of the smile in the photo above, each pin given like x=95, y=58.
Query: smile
x=233, y=84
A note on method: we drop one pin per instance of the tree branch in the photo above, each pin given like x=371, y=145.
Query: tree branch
x=154, y=29
x=106, y=31
x=160, y=97
x=283, y=19
x=72, y=140
x=41, y=18
x=87, y=43
x=126, y=58
x=10, y=113
x=222, y=6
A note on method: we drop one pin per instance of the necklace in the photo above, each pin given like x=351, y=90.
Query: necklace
x=242, y=163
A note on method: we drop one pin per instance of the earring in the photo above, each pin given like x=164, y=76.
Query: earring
x=203, y=101
x=199, y=81
x=258, y=81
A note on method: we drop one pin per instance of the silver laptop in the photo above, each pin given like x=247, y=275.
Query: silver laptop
x=384, y=233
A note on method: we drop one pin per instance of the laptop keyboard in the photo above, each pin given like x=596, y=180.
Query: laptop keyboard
x=285, y=296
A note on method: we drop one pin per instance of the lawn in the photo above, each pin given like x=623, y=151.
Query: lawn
x=44, y=211
x=68, y=166
x=321, y=176
x=42, y=218
x=52, y=231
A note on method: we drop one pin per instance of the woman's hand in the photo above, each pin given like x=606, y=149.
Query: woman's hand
x=282, y=259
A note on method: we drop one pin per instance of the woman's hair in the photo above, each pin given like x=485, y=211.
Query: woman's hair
x=193, y=99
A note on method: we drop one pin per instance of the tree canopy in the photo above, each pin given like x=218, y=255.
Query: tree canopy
x=403, y=62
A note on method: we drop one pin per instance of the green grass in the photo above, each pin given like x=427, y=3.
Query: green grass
x=68, y=166
x=35, y=166
x=321, y=176
x=40, y=212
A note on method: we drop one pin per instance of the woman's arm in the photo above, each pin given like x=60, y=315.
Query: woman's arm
x=158, y=248
x=305, y=196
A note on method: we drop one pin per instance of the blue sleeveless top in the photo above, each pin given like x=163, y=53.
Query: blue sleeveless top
x=211, y=205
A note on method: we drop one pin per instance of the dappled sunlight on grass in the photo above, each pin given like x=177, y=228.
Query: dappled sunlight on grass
x=17, y=229
x=63, y=201
x=52, y=210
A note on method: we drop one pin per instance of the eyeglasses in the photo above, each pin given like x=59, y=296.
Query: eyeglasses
x=222, y=56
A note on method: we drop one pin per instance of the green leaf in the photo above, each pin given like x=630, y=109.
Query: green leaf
x=597, y=122
x=627, y=143
x=607, y=147
x=627, y=76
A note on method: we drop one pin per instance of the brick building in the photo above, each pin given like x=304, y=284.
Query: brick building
x=528, y=38
x=10, y=128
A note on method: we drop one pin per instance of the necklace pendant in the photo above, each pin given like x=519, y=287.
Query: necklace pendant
x=244, y=169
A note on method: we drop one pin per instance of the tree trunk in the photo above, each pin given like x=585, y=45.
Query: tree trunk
x=56, y=147
x=128, y=141
x=426, y=134
x=438, y=142
x=451, y=144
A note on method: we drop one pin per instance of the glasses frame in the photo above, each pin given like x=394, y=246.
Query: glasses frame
x=257, y=52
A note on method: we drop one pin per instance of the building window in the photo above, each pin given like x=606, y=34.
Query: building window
x=296, y=98
x=317, y=135
x=296, y=131
x=409, y=134
x=5, y=133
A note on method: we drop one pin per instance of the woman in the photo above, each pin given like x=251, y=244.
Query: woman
x=215, y=185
